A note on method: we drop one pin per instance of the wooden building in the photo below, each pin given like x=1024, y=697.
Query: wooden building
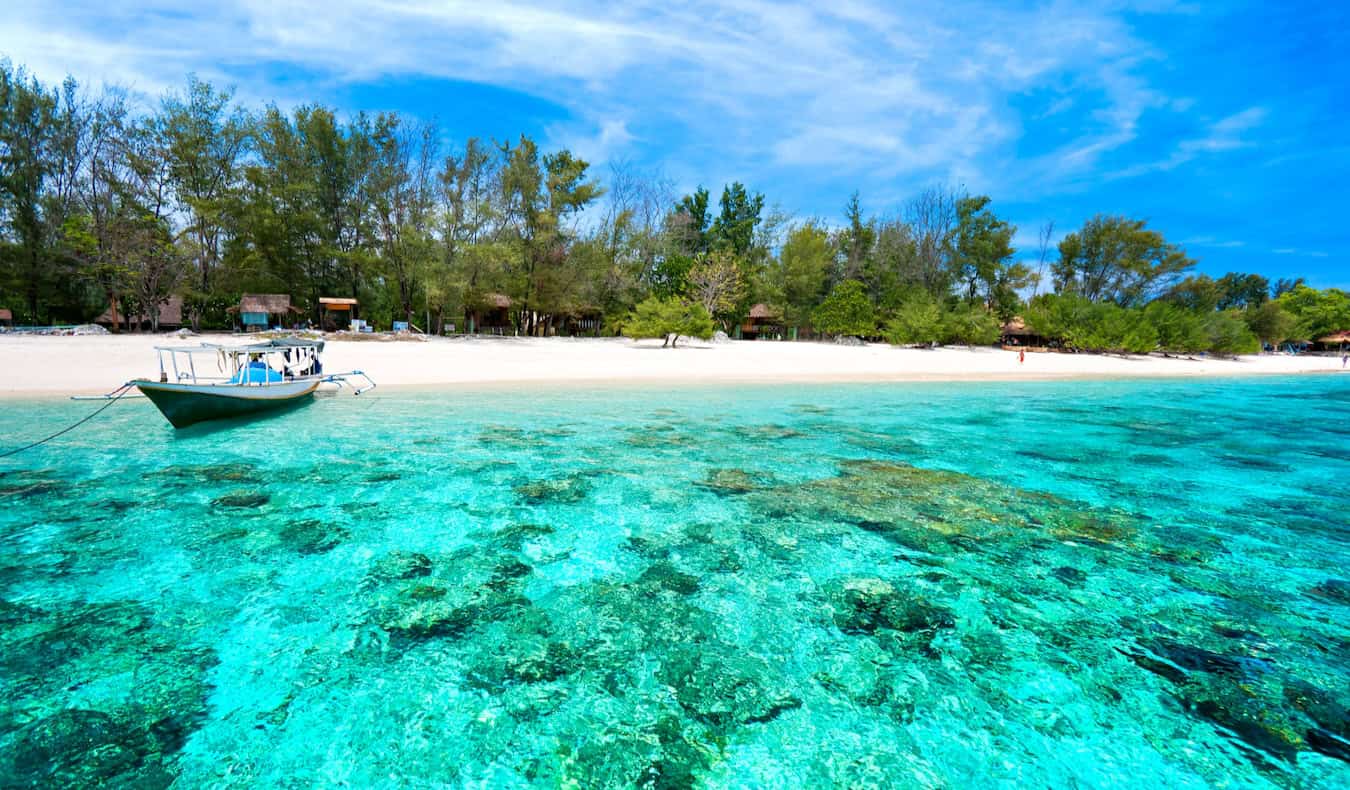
x=490, y=314
x=1017, y=335
x=170, y=317
x=336, y=312
x=6, y=318
x=762, y=322
x=260, y=311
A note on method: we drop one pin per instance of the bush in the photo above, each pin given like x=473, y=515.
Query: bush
x=970, y=325
x=1228, y=334
x=846, y=311
x=917, y=322
x=669, y=319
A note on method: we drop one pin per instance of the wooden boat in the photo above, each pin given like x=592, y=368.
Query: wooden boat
x=255, y=378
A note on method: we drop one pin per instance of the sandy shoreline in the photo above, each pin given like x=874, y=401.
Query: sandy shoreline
x=62, y=366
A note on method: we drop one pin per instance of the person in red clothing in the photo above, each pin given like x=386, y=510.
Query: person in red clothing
x=1021, y=356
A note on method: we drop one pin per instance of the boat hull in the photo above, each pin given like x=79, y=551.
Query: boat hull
x=188, y=404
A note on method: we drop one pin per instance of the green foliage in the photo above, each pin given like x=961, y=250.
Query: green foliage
x=1228, y=334
x=1179, y=330
x=984, y=257
x=1270, y=322
x=846, y=311
x=1317, y=313
x=970, y=325
x=669, y=319
x=918, y=321
x=734, y=228
x=1118, y=260
x=804, y=268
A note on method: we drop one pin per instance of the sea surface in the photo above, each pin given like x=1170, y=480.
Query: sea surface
x=1074, y=584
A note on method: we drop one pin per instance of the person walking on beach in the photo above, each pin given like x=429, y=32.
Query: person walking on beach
x=1022, y=357
x=1344, y=358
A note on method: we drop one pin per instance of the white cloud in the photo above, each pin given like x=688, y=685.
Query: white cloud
x=870, y=89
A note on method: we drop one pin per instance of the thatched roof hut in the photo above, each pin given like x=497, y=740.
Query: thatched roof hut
x=170, y=315
x=762, y=311
x=1336, y=338
x=1016, y=327
x=258, y=310
x=272, y=304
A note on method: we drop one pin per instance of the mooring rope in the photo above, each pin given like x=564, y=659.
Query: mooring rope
x=122, y=390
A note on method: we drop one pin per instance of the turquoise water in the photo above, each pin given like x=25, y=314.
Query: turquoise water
x=1091, y=584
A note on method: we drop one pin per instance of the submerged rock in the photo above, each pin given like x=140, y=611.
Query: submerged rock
x=723, y=687
x=663, y=575
x=1337, y=590
x=564, y=491
x=729, y=481
x=865, y=605
x=243, y=499
x=311, y=536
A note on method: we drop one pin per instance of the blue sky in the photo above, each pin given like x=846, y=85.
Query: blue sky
x=1223, y=124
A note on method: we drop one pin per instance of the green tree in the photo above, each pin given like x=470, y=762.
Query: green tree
x=1119, y=260
x=846, y=311
x=968, y=324
x=984, y=257
x=1180, y=330
x=205, y=141
x=669, y=319
x=1270, y=322
x=1317, y=313
x=856, y=241
x=1242, y=290
x=734, y=227
x=1229, y=335
x=918, y=321
x=691, y=221
x=803, y=271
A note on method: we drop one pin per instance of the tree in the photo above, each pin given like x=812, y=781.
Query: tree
x=691, y=221
x=1119, y=260
x=669, y=319
x=715, y=282
x=918, y=321
x=1270, y=322
x=1317, y=313
x=846, y=311
x=205, y=142
x=1179, y=330
x=1199, y=293
x=1229, y=335
x=1242, y=290
x=856, y=240
x=970, y=325
x=734, y=228
x=803, y=271
x=984, y=257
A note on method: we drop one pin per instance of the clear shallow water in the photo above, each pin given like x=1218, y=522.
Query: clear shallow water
x=945, y=585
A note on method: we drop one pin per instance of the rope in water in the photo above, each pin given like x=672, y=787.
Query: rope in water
x=122, y=390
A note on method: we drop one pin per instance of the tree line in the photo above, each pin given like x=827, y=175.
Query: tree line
x=199, y=197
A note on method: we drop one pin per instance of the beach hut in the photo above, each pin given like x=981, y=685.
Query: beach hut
x=1336, y=341
x=6, y=318
x=1016, y=334
x=762, y=321
x=259, y=311
x=580, y=322
x=170, y=316
x=490, y=314
x=336, y=312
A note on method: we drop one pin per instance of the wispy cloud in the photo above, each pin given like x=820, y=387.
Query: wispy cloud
x=860, y=86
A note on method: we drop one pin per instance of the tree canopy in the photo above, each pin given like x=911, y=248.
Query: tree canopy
x=106, y=207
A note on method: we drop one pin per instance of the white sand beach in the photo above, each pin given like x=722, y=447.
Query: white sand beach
x=59, y=366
